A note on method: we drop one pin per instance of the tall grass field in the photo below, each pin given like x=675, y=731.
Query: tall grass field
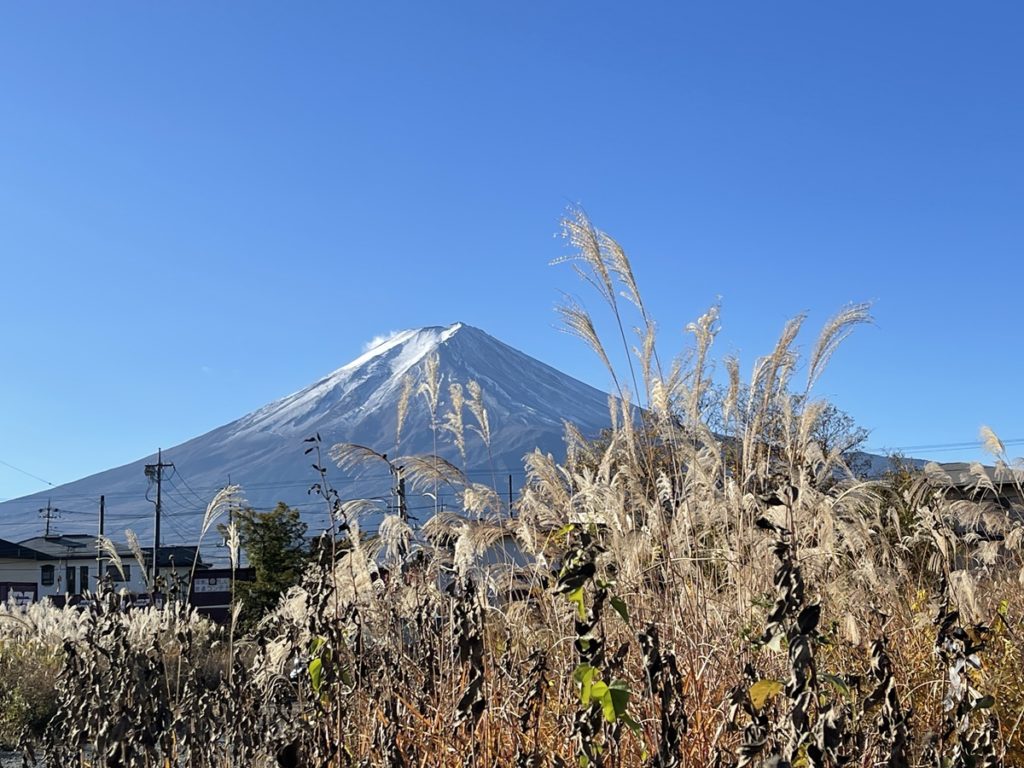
x=704, y=585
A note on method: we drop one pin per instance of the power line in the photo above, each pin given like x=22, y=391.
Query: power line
x=182, y=501
x=25, y=472
x=49, y=513
x=360, y=479
x=976, y=444
x=177, y=474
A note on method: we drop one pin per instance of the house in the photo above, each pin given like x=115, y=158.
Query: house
x=20, y=569
x=63, y=565
x=212, y=590
x=985, y=501
x=976, y=482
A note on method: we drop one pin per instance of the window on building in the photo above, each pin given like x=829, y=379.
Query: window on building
x=115, y=575
x=47, y=575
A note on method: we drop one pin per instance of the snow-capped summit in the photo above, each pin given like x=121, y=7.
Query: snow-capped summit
x=348, y=394
x=527, y=403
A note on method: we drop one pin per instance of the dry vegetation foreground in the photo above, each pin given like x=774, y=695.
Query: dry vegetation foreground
x=683, y=596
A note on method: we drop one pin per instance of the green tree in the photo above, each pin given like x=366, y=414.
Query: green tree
x=275, y=546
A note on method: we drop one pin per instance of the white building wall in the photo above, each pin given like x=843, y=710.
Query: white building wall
x=17, y=571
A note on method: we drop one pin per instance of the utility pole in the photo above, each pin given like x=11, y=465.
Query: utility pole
x=48, y=513
x=99, y=550
x=156, y=472
x=403, y=505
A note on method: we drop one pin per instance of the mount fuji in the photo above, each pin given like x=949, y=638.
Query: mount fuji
x=527, y=404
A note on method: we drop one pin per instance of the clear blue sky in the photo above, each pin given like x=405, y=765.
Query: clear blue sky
x=205, y=206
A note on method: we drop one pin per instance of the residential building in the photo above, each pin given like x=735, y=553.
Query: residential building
x=65, y=565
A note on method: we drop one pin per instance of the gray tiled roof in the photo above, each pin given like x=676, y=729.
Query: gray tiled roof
x=8, y=549
x=83, y=546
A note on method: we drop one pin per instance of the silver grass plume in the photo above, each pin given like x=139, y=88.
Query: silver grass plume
x=443, y=527
x=394, y=535
x=808, y=418
x=352, y=455
x=352, y=509
x=704, y=330
x=107, y=549
x=769, y=378
x=403, y=406
x=937, y=475
x=133, y=545
x=477, y=498
x=620, y=265
x=476, y=407
x=577, y=322
x=832, y=335
x=646, y=353
x=430, y=471
x=474, y=539
x=546, y=495
x=453, y=419
x=991, y=442
x=578, y=447
x=352, y=581
x=430, y=387
x=659, y=399
x=613, y=413
x=581, y=234
x=732, y=367
x=226, y=498
x=982, y=481
x=234, y=544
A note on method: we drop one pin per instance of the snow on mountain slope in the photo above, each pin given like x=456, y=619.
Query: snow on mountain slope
x=527, y=402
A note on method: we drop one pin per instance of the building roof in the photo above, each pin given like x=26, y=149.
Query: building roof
x=962, y=474
x=10, y=550
x=178, y=556
x=61, y=546
x=83, y=546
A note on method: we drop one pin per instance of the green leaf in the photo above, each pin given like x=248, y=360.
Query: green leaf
x=762, y=691
x=634, y=726
x=582, y=672
x=565, y=529
x=584, y=676
x=316, y=671
x=576, y=596
x=839, y=684
x=346, y=677
x=615, y=701
x=620, y=608
x=985, y=702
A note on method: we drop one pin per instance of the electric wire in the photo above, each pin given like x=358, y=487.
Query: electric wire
x=26, y=473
